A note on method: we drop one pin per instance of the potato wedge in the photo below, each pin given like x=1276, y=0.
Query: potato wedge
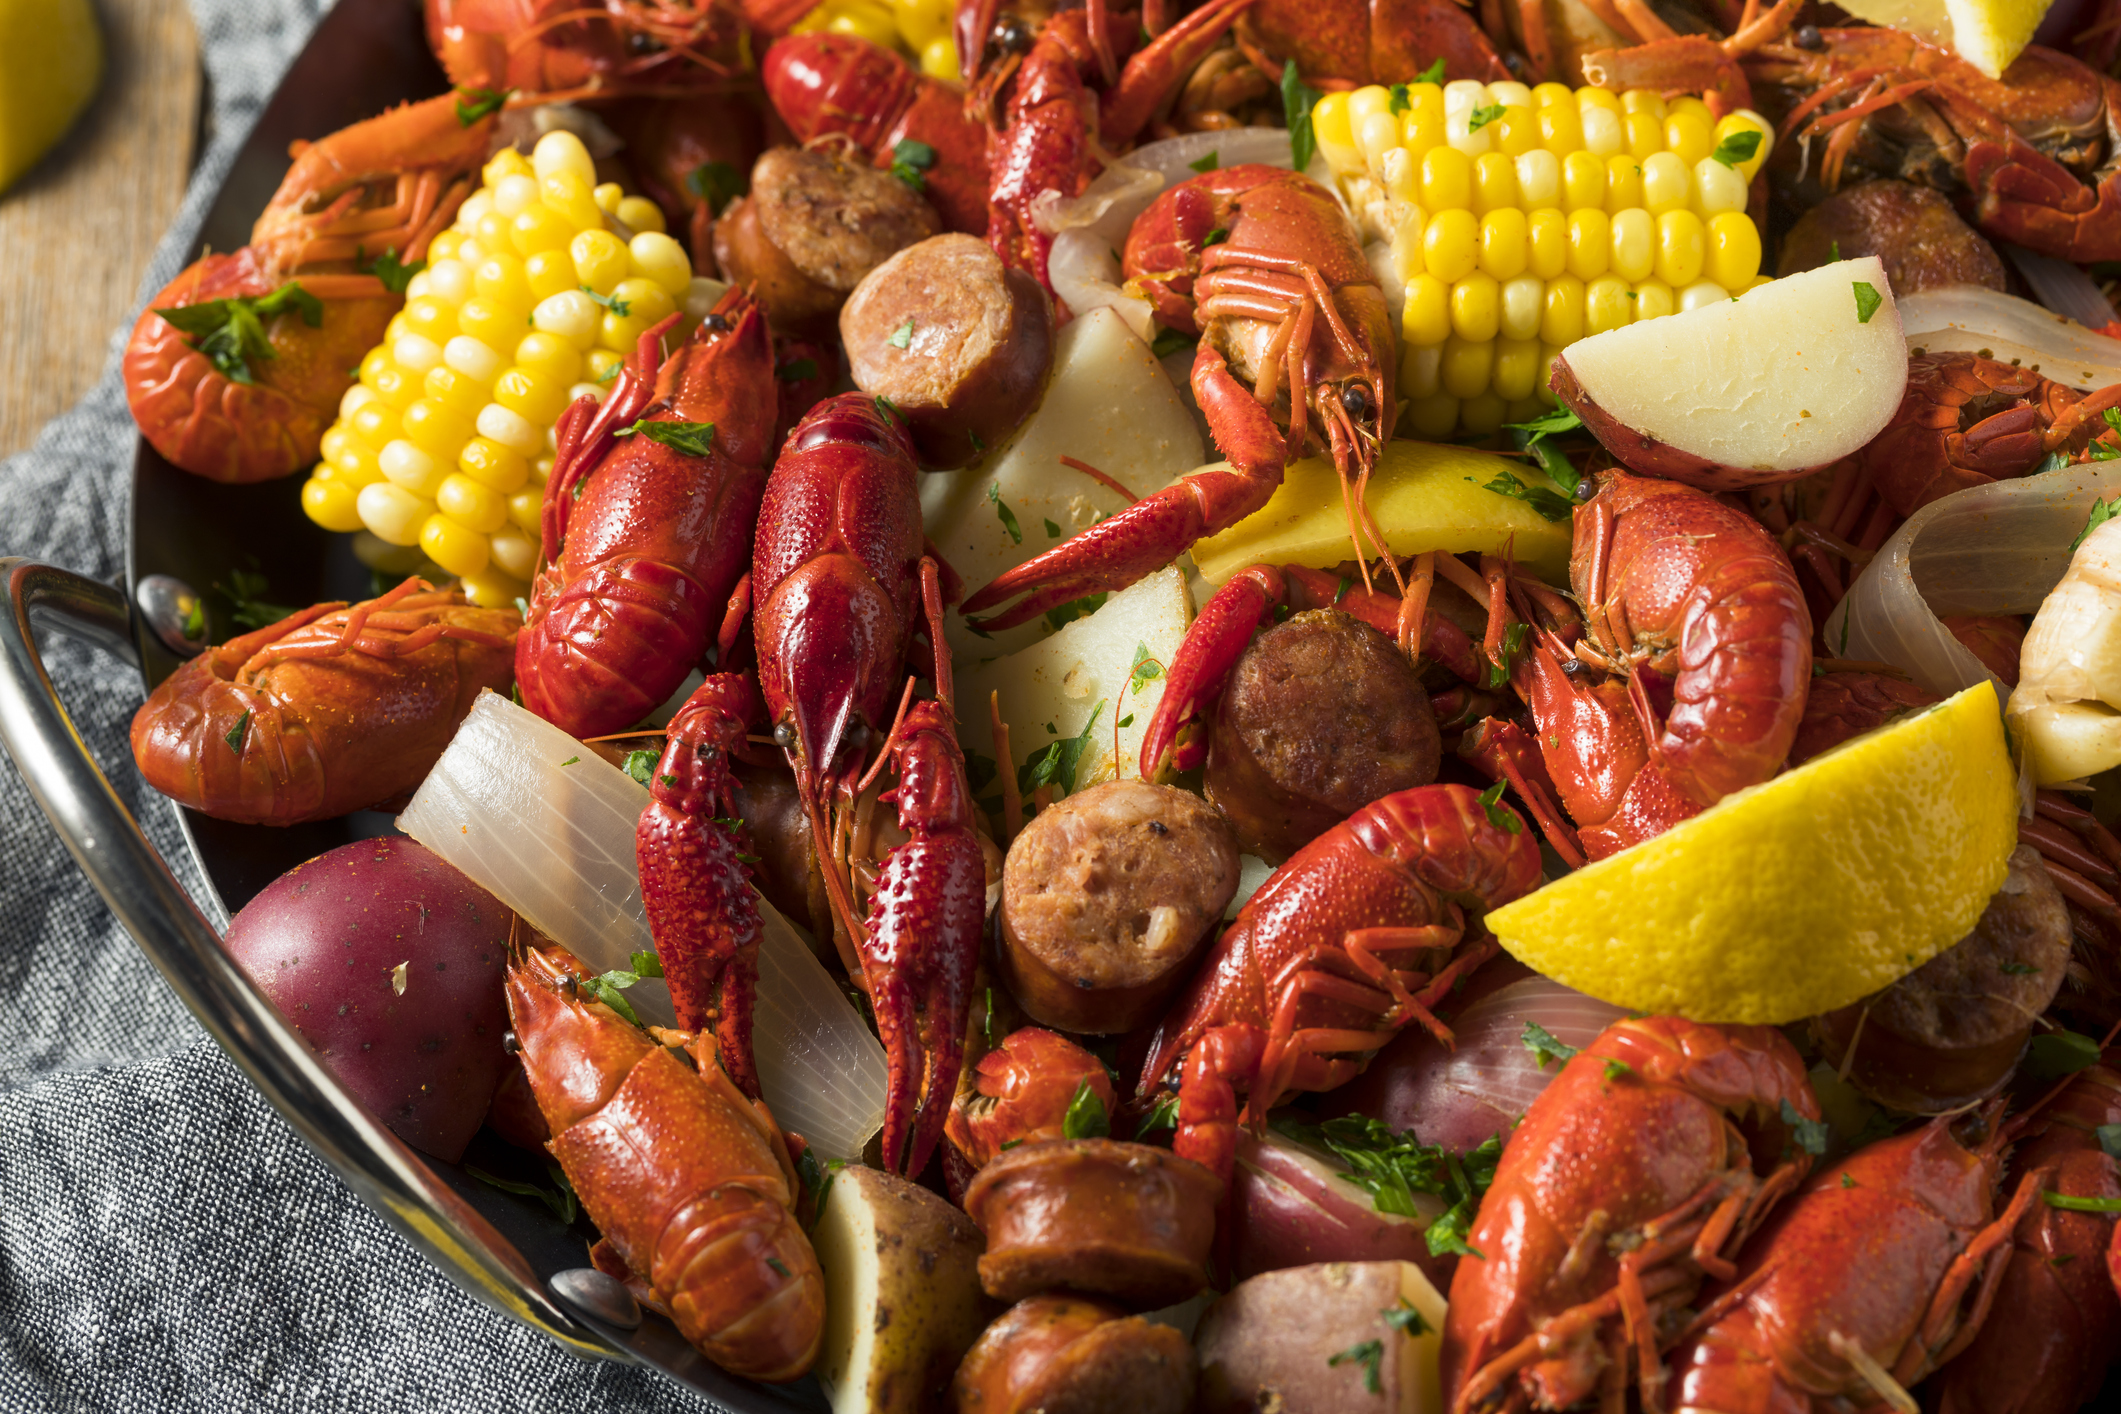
x=902, y=1295
x=1317, y=1340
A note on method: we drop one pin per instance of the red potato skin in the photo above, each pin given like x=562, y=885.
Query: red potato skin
x=321, y=943
x=1291, y=1208
x=1651, y=457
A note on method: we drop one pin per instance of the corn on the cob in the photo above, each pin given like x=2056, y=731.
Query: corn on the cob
x=530, y=301
x=920, y=28
x=1521, y=219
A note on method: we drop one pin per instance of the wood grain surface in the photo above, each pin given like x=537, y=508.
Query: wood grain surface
x=76, y=232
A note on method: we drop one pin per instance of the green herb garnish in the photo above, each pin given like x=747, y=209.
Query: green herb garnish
x=231, y=332
x=694, y=439
x=909, y=160
x=1737, y=148
x=1002, y=511
x=717, y=184
x=1297, y=100
x=1544, y=1046
x=483, y=101
x=1867, y=301
x=1086, y=1117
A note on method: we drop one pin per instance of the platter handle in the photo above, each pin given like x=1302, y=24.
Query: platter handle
x=130, y=874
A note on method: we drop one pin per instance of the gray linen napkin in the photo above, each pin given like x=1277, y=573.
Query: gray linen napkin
x=166, y=1242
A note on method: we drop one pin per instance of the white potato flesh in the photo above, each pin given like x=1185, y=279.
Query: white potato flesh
x=1061, y=681
x=2067, y=705
x=1109, y=405
x=1784, y=378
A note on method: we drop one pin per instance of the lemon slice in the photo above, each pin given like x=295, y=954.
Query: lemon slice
x=51, y=59
x=1986, y=33
x=1795, y=896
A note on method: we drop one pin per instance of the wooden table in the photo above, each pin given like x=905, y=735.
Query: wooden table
x=78, y=229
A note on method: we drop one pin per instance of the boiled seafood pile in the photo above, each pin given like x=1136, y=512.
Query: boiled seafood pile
x=1168, y=709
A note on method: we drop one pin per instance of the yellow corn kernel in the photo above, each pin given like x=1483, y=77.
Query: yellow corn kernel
x=595, y=392
x=1482, y=414
x=494, y=232
x=1468, y=366
x=939, y=60
x=500, y=469
x=659, y=258
x=1378, y=134
x=1476, y=309
x=1331, y=121
x=1503, y=243
x=1653, y=300
x=571, y=314
x=333, y=504
x=1520, y=308
x=1362, y=102
x=454, y=546
x=469, y=255
x=511, y=429
x=919, y=21
x=458, y=392
x=472, y=505
x=1516, y=368
x=1561, y=129
x=1623, y=185
x=863, y=20
x=1420, y=133
x=1494, y=183
x=396, y=387
x=1525, y=409
x=600, y=260
x=443, y=247
x=1604, y=134
x=1460, y=132
x=1643, y=100
x=1645, y=134
x=377, y=422
x=1546, y=243
x=514, y=554
x=536, y=397
x=1547, y=354
x=505, y=164
x=607, y=196
x=1758, y=281
x=1517, y=131
x=412, y=469
x=526, y=508
x=1561, y=313
x=1434, y=417
x=1450, y=243
x=598, y=365
x=415, y=354
x=1688, y=103
x=1733, y=257
x=1425, y=98
x=1583, y=182
x=644, y=299
x=491, y=324
x=1427, y=317
x=474, y=360
x=1633, y=245
x=1701, y=294
x=538, y=227
x=435, y=429
x=1745, y=121
x=448, y=281
x=1605, y=98
x=1509, y=93
x=571, y=197
x=1590, y=243
x=1401, y=176
x=550, y=357
x=549, y=272
x=372, y=364
x=1687, y=134
x=1606, y=304
x=621, y=332
x=1446, y=180
x=1681, y=248
x=392, y=513
x=1666, y=185
x=430, y=318
x=641, y=214
x=1538, y=179
x=1553, y=95
x=561, y=151
x=1420, y=371
x=491, y=588
x=1717, y=189
x=356, y=462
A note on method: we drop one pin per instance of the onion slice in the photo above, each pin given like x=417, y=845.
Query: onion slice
x=546, y=825
x=2010, y=330
x=1995, y=549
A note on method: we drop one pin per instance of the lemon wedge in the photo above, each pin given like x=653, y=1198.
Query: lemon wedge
x=1798, y=895
x=51, y=59
x=1986, y=33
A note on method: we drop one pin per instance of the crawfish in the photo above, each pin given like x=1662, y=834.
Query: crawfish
x=1968, y=421
x=1855, y=1289
x=689, y=1182
x=639, y=565
x=251, y=402
x=2033, y=157
x=559, y=51
x=335, y=708
x=1286, y=298
x=1355, y=42
x=1022, y=1090
x=823, y=83
x=1691, y=679
x=2053, y=1326
x=1628, y=1181
x=1355, y=937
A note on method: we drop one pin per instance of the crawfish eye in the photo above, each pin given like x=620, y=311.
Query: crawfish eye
x=641, y=42
x=1808, y=37
x=1010, y=35
x=784, y=736
x=719, y=323
x=1356, y=399
x=511, y=1043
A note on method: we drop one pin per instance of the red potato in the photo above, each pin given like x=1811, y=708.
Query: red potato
x=1324, y=1339
x=419, y=1048
x=1291, y=1208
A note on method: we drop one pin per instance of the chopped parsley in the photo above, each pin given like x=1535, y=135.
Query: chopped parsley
x=694, y=439
x=717, y=184
x=1738, y=147
x=1545, y=1046
x=231, y=332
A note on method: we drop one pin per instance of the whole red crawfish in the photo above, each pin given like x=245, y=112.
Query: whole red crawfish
x=1285, y=300
x=1021, y=1092
x=689, y=1182
x=556, y=51
x=1877, y=1271
x=2052, y=1328
x=1355, y=937
x=1627, y=1183
x=2033, y=157
x=1690, y=680
x=251, y=402
x=643, y=541
x=332, y=709
x=824, y=84
x=1349, y=43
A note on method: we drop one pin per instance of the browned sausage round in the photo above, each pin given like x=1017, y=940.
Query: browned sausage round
x=958, y=342
x=1065, y=1355
x=1915, y=231
x=1951, y=1032
x=1323, y=715
x=1107, y=898
x=1124, y=1221
x=812, y=227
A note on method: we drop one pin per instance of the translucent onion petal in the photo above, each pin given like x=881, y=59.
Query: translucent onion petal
x=1492, y=1067
x=2011, y=330
x=547, y=826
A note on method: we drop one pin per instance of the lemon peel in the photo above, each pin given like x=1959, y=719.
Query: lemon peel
x=51, y=60
x=1986, y=33
x=1801, y=894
